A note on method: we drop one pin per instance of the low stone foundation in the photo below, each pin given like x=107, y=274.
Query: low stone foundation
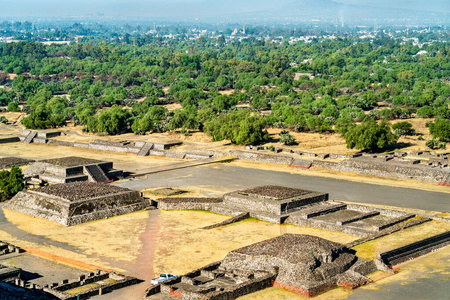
x=416, y=249
x=187, y=203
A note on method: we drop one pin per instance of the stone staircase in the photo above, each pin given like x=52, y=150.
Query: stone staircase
x=145, y=150
x=29, y=138
x=96, y=174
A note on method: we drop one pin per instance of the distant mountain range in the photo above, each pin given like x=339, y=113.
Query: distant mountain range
x=296, y=9
x=239, y=10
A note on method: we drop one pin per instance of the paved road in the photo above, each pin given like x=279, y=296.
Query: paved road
x=232, y=177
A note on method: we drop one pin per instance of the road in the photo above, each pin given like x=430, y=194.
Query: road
x=234, y=178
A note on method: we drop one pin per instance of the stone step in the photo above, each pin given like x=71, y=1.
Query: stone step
x=393, y=222
x=359, y=218
x=320, y=210
x=96, y=173
x=30, y=137
x=145, y=150
x=225, y=210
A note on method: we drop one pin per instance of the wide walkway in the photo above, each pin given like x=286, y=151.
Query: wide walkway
x=234, y=178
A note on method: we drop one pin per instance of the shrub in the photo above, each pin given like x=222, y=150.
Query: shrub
x=403, y=128
x=420, y=138
x=442, y=145
x=432, y=144
x=286, y=138
x=440, y=129
x=13, y=106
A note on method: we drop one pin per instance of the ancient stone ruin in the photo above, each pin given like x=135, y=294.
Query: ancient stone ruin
x=268, y=203
x=15, y=285
x=71, y=169
x=8, y=162
x=304, y=264
x=277, y=204
x=77, y=202
x=89, y=285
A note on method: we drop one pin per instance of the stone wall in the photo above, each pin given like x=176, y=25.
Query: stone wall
x=60, y=143
x=416, y=249
x=245, y=288
x=388, y=231
x=278, y=207
x=100, y=288
x=52, y=209
x=261, y=157
x=235, y=219
x=397, y=165
x=187, y=203
x=391, y=169
x=9, y=140
x=70, y=213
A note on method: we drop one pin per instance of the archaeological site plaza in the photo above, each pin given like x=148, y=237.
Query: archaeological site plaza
x=103, y=220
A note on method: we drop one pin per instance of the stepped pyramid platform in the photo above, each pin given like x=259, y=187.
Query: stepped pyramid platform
x=304, y=264
x=71, y=169
x=269, y=203
x=278, y=204
x=77, y=202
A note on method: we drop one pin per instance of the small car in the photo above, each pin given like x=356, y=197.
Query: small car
x=163, y=278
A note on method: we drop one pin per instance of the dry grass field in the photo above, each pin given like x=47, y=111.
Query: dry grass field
x=180, y=236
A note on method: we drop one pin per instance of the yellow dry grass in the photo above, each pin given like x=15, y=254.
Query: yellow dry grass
x=369, y=250
x=4, y=236
x=117, y=238
x=13, y=118
x=173, y=106
x=180, y=236
x=279, y=294
x=422, y=267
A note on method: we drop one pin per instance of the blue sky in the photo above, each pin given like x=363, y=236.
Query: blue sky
x=147, y=7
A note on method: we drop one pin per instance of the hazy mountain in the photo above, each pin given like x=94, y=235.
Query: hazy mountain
x=239, y=10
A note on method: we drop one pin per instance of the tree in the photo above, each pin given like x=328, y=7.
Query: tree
x=141, y=126
x=370, y=135
x=440, y=129
x=13, y=106
x=403, y=128
x=238, y=126
x=11, y=182
x=286, y=138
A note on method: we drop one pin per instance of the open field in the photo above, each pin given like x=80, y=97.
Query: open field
x=13, y=118
x=184, y=238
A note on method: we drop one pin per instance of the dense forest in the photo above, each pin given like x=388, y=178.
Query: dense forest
x=233, y=88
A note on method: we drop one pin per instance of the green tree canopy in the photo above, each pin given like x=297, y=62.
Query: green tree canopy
x=440, y=129
x=370, y=136
x=11, y=182
x=240, y=127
